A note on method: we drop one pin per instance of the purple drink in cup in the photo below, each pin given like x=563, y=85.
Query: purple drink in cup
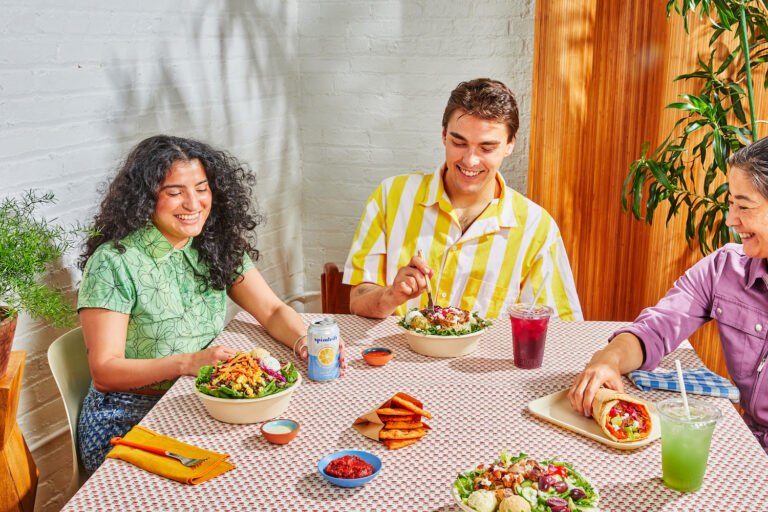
x=529, y=330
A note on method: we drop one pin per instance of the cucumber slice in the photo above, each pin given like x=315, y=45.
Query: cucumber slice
x=530, y=494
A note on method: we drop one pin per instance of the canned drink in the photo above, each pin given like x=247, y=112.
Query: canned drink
x=323, y=348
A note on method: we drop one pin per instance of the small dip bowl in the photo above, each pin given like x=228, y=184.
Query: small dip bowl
x=350, y=482
x=280, y=431
x=377, y=356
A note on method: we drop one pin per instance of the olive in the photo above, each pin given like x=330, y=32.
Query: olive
x=554, y=501
x=577, y=494
x=545, y=481
x=556, y=504
x=560, y=486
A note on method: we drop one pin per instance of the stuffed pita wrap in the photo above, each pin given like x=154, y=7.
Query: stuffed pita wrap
x=622, y=417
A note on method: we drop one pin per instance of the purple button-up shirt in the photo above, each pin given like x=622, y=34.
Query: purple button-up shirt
x=730, y=287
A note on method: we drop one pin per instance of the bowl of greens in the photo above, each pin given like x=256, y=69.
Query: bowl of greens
x=523, y=483
x=250, y=387
x=444, y=332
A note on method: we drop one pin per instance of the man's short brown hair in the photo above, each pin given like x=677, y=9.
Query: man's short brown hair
x=487, y=99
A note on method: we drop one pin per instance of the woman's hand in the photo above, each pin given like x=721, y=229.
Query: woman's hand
x=623, y=354
x=304, y=353
x=206, y=357
x=597, y=374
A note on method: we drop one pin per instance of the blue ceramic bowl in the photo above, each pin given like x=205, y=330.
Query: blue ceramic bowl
x=350, y=482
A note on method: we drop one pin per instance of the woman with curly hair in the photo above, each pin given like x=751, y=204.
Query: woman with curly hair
x=175, y=238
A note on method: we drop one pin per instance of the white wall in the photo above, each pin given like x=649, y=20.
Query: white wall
x=375, y=78
x=323, y=98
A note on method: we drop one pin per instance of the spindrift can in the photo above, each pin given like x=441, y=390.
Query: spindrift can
x=323, y=347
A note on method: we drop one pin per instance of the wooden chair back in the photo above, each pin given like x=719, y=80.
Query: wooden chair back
x=334, y=294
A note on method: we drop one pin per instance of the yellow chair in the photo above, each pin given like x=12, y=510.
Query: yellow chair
x=69, y=366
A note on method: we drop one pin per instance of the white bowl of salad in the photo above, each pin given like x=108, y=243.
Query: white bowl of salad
x=446, y=332
x=250, y=387
x=522, y=483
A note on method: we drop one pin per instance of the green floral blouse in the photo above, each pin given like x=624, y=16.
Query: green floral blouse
x=155, y=284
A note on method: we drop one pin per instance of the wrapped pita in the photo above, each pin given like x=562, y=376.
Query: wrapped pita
x=637, y=428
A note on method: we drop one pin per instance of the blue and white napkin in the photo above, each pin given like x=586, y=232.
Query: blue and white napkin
x=700, y=381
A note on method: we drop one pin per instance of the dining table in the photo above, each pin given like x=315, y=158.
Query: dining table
x=479, y=403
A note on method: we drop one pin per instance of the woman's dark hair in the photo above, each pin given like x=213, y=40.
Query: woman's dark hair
x=131, y=198
x=753, y=159
x=487, y=99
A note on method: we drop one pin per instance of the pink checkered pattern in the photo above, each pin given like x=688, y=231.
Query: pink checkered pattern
x=479, y=403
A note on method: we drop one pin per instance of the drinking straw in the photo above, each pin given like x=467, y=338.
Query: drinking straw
x=538, y=293
x=682, y=388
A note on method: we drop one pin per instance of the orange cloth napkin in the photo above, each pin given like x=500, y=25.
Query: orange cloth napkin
x=166, y=466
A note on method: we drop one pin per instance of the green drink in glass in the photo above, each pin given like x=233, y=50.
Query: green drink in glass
x=685, y=442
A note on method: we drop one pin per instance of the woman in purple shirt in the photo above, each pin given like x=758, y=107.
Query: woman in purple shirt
x=730, y=285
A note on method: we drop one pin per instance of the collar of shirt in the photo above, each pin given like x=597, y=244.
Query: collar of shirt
x=756, y=269
x=500, y=208
x=152, y=242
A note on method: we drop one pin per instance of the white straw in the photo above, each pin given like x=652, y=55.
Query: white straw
x=538, y=293
x=682, y=388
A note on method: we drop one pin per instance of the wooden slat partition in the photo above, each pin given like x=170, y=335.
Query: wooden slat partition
x=603, y=72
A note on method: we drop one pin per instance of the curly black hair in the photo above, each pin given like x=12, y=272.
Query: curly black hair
x=132, y=195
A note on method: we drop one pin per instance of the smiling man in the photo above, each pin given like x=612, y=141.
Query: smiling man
x=486, y=246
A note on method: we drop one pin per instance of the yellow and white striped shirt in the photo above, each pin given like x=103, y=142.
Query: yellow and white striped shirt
x=513, y=248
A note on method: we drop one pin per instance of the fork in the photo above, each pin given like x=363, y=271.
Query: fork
x=187, y=461
x=430, y=303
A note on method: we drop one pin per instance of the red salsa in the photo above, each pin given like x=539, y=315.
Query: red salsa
x=349, y=466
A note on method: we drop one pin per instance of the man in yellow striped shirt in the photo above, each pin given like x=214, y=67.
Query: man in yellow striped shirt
x=486, y=246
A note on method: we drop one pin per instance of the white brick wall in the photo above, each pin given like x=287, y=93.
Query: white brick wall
x=322, y=98
x=375, y=77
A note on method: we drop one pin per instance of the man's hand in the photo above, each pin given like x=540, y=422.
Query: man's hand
x=411, y=280
x=374, y=301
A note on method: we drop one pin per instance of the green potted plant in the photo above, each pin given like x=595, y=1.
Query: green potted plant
x=688, y=169
x=27, y=246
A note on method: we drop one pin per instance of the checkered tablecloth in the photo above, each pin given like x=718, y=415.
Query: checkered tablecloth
x=479, y=403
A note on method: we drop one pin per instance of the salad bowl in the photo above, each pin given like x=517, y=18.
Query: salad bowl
x=249, y=410
x=436, y=345
x=443, y=331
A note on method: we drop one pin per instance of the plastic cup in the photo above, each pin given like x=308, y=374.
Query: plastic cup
x=685, y=442
x=529, y=331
